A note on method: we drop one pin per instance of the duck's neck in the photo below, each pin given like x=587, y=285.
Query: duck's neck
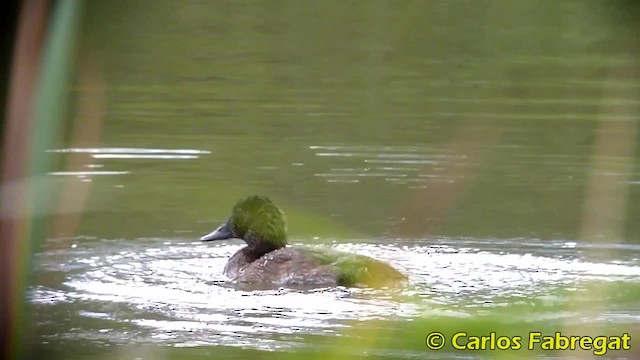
x=256, y=247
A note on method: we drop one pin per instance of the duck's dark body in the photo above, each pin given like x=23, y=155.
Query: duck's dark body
x=310, y=267
x=285, y=266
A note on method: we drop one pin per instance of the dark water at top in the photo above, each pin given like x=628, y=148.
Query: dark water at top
x=488, y=149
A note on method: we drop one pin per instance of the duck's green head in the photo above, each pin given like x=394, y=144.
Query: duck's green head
x=253, y=219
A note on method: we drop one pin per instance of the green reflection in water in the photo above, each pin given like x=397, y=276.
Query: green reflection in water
x=516, y=90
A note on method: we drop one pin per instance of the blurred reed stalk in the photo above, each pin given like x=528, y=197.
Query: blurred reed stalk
x=35, y=112
x=86, y=132
x=429, y=208
x=30, y=32
x=612, y=161
x=605, y=203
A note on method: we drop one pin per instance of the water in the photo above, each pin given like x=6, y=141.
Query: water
x=487, y=150
x=172, y=292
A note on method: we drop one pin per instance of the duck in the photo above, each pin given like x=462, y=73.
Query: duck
x=267, y=259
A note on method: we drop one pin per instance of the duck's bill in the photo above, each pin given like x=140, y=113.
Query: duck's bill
x=221, y=233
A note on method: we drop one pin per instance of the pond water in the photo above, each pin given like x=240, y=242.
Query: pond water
x=489, y=150
x=171, y=291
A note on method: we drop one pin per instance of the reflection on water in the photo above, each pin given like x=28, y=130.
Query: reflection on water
x=135, y=153
x=173, y=290
x=129, y=150
x=86, y=173
x=122, y=153
x=394, y=164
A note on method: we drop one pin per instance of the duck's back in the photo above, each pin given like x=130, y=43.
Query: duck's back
x=288, y=266
x=317, y=267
